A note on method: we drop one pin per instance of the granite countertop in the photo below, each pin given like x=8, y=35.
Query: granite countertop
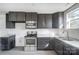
x=73, y=43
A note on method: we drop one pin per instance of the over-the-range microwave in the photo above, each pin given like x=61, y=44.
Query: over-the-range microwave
x=31, y=24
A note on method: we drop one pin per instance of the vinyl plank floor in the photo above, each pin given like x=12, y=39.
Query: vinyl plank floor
x=20, y=51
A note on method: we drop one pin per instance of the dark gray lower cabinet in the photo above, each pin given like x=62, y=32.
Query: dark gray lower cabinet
x=62, y=48
x=7, y=43
x=45, y=43
x=42, y=43
x=58, y=47
x=69, y=50
x=52, y=43
x=77, y=51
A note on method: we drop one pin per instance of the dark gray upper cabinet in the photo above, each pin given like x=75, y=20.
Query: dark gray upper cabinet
x=41, y=21
x=28, y=16
x=34, y=16
x=17, y=16
x=57, y=19
x=48, y=21
x=31, y=16
x=9, y=24
x=44, y=21
x=12, y=16
x=20, y=16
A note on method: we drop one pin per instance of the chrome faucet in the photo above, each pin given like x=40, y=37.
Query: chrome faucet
x=66, y=32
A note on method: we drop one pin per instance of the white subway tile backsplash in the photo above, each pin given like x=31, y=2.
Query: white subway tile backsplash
x=20, y=25
x=2, y=21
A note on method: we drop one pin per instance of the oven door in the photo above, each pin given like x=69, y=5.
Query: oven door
x=31, y=42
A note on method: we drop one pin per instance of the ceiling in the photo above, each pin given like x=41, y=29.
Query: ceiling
x=35, y=7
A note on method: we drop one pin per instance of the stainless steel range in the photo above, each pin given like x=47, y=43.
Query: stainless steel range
x=31, y=41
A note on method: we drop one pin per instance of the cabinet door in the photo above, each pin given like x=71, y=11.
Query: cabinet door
x=73, y=50
x=20, y=16
x=51, y=43
x=33, y=16
x=12, y=16
x=77, y=51
x=9, y=24
x=48, y=21
x=55, y=20
x=28, y=17
x=43, y=43
x=69, y=50
x=4, y=43
x=41, y=21
x=58, y=47
x=12, y=41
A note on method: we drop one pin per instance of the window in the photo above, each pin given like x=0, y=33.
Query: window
x=72, y=19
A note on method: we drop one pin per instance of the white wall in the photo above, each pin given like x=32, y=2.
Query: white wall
x=2, y=21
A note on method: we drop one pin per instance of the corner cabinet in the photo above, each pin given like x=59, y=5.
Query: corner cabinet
x=58, y=20
x=7, y=43
x=44, y=20
x=63, y=48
